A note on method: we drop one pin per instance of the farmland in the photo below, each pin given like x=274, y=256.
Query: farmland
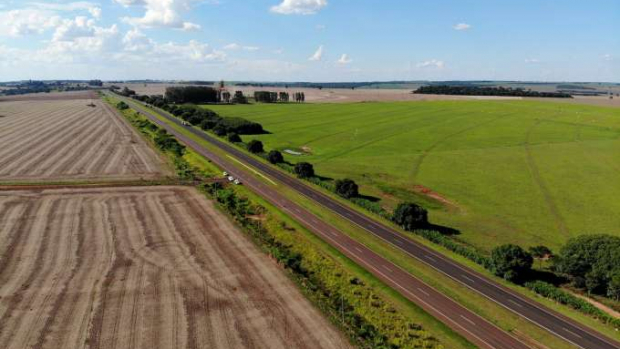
x=525, y=172
x=59, y=137
x=141, y=267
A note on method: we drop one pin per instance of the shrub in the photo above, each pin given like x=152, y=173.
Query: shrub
x=410, y=216
x=304, y=170
x=219, y=130
x=122, y=106
x=347, y=188
x=234, y=138
x=255, y=146
x=511, y=262
x=275, y=157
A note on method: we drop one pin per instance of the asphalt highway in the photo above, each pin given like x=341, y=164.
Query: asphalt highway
x=471, y=326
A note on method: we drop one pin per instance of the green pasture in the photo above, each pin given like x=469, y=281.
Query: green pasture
x=525, y=172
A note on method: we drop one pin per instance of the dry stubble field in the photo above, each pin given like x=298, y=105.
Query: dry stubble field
x=59, y=137
x=141, y=267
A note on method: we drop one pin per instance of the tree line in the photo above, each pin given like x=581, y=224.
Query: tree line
x=486, y=91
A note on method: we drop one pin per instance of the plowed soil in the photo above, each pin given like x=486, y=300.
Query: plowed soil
x=141, y=268
x=69, y=140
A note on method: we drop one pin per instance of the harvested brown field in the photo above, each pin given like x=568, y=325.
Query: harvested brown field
x=69, y=140
x=141, y=267
x=52, y=96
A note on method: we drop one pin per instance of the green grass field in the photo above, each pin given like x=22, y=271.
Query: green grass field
x=525, y=172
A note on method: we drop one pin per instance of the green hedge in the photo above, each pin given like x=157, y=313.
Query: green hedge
x=547, y=290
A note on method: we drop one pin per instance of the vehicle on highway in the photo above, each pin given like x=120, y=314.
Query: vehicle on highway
x=225, y=174
x=237, y=182
x=231, y=178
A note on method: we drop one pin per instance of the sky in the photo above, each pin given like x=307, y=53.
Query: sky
x=311, y=40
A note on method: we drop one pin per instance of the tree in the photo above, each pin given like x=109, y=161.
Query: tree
x=511, y=262
x=590, y=261
x=219, y=130
x=234, y=138
x=255, y=146
x=410, y=216
x=347, y=188
x=275, y=157
x=122, y=106
x=613, y=288
x=304, y=170
x=540, y=252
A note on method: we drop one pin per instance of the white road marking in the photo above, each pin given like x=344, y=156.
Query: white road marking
x=424, y=292
x=468, y=320
x=515, y=303
x=399, y=242
x=386, y=268
x=571, y=332
x=430, y=258
x=468, y=278
x=359, y=250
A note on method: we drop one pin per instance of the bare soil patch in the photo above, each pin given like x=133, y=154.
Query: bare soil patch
x=140, y=267
x=69, y=140
x=420, y=189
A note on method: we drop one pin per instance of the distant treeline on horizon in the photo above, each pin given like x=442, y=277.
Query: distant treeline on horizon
x=486, y=91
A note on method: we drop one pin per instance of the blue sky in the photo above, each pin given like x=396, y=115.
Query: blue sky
x=311, y=40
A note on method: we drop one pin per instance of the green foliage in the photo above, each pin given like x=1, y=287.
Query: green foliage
x=304, y=170
x=275, y=157
x=191, y=94
x=486, y=91
x=549, y=291
x=255, y=147
x=410, y=216
x=122, y=105
x=590, y=261
x=511, y=262
x=167, y=142
x=347, y=188
x=233, y=138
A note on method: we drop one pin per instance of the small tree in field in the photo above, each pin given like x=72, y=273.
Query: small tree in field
x=511, y=262
x=410, y=216
x=304, y=170
x=275, y=157
x=347, y=188
x=255, y=146
x=233, y=138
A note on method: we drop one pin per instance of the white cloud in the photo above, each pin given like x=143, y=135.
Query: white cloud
x=299, y=7
x=161, y=13
x=136, y=41
x=320, y=27
x=95, y=12
x=27, y=21
x=234, y=46
x=433, y=63
x=318, y=55
x=278, y=51
x=38, y=17
x=345, y=59
x=462, y=26
x=532, y=60
x=608, y=57
x=71, y=29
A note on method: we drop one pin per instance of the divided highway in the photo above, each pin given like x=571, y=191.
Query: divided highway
x=471, y=326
